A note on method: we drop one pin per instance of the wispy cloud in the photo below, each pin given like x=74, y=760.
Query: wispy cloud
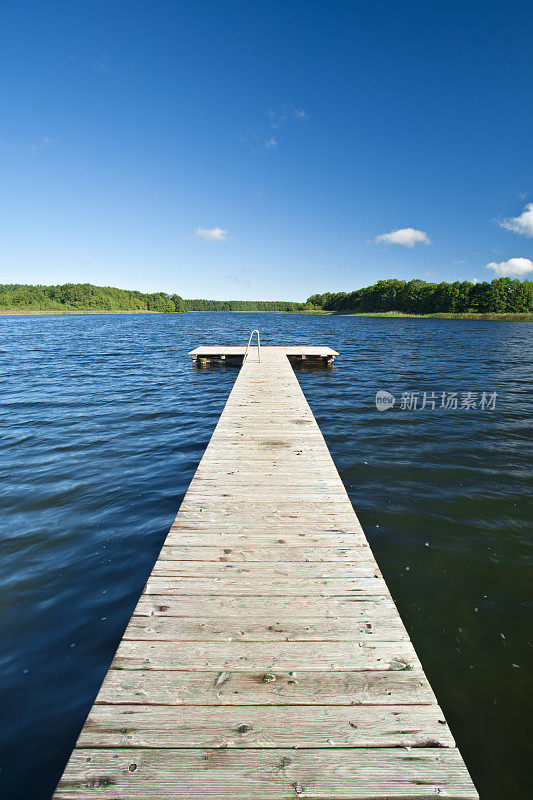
x=266, y=136
x=523, y=224
x=280, y=116
x=514, y=267
x=212, y=234
x=300, y=114
x=406, y=237
x=240, y=281
x=34, y=148
x=102, y=64
x=271, y=143
x=336, y=269
x=459, y=261
x=21, y=148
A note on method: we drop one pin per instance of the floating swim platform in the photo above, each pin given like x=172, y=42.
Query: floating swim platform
x=211, y=353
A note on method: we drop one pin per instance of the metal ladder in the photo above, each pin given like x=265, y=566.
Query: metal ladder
x=258, y=346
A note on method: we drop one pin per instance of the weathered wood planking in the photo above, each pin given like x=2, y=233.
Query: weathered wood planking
x=319, y=629
x=314, y=774
x=279, y=726
x=265, y=659
x=266, y=656
x=249, y=609
x=160, y=687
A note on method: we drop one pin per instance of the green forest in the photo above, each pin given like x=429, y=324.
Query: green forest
x=86, y=297
x=242, y=305
x=502, y=295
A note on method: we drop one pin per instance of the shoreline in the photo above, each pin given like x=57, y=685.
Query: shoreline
x=56, y=312
x=526, y=316
x=503, y=317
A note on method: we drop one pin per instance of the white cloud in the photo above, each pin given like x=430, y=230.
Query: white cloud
x=407, y=237
x=271, y=143
x=522, y=224
x=212, y=234
x=513, y=267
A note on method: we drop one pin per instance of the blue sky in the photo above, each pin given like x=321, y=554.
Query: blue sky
x=260, y=149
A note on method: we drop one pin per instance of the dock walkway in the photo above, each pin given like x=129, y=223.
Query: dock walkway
x=265, y=659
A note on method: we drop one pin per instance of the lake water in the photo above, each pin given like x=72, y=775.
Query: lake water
x=103, y=422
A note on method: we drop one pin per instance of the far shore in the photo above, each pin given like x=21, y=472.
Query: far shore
x=504, y=317
x=525, y=316
x=56, y=312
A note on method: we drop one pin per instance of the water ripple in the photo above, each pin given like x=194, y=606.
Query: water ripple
x=103, y=421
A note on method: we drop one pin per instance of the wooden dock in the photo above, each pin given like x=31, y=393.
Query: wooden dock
x=265, y=659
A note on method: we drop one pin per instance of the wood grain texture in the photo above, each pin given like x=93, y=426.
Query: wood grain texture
x=272, y=726
x=160, y=687
x=273, y=551
x=283, y=587
x=265, y=659
x=248, y=608
x=271, y=629
x=201, y=774
x=265, y=571
x=238, y=656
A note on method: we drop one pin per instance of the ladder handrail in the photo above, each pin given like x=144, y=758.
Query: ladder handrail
x=258, y=346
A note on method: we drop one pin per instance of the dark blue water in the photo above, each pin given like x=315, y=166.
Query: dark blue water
x=103, y=421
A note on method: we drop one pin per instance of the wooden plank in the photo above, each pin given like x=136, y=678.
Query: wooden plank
x=205, y=497
x=266, y=656
x=185, y=536
x=272, y=726
x=282, y=515
x=371, y=774
x=251, y=553
x=160, y=687
x=265, y=571
x=310, y=587
x=312, y=505
x=246, y=607
x=289, y=351
x=198, y=629
x=323, y=534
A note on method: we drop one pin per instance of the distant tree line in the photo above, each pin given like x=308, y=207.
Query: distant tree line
x=242, y=305
x=85, y=297
x=502, y=295
x=418, y=297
